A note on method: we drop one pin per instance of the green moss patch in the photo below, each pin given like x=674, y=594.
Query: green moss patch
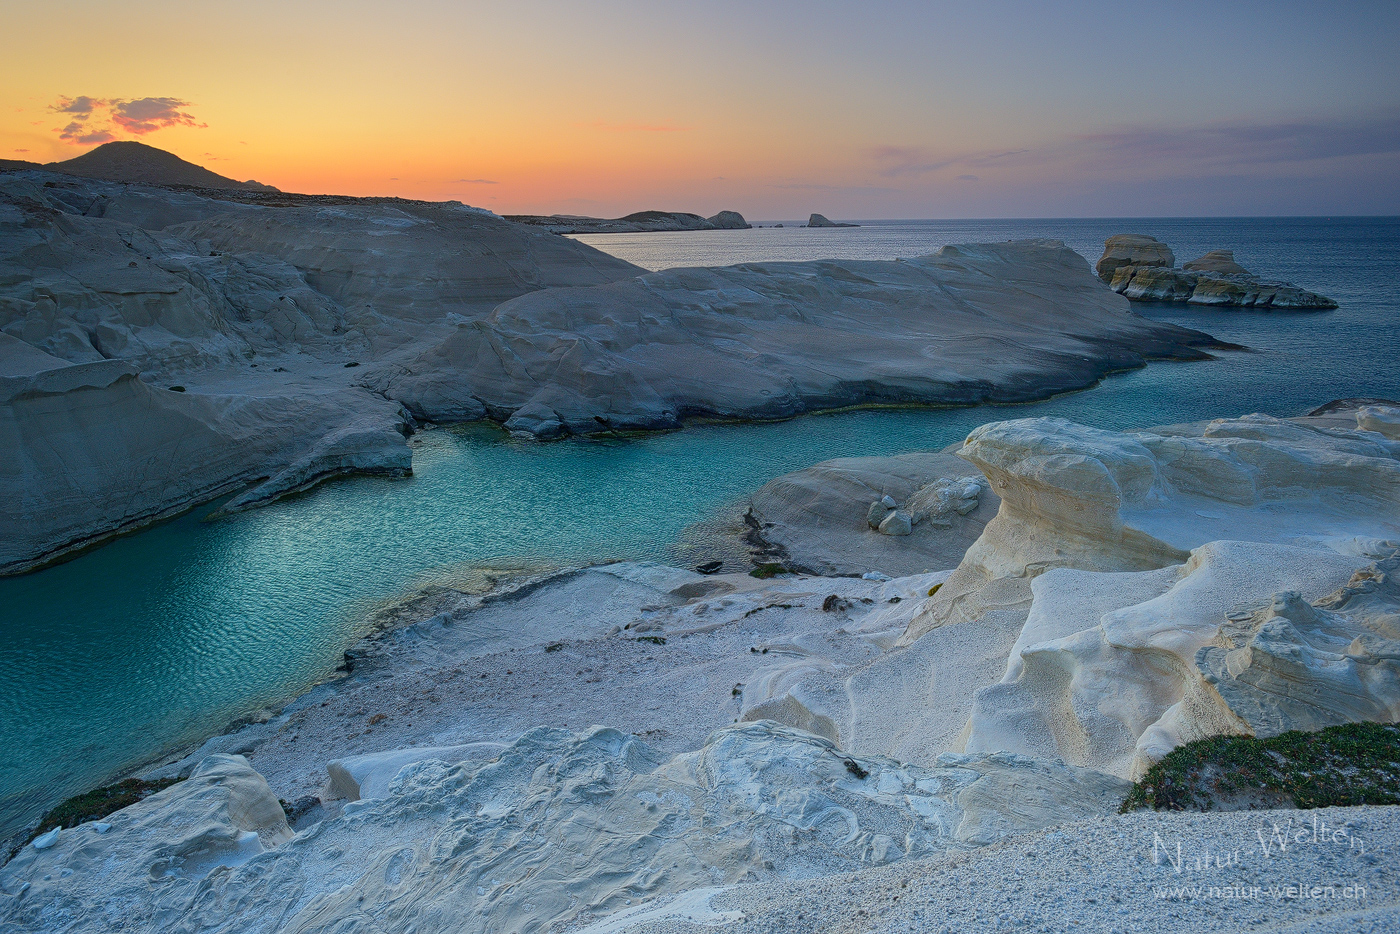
x=767, y=570
x=98, y=803
x=1356, y=763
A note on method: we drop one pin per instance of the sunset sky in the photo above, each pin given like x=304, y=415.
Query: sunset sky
x=869, y=110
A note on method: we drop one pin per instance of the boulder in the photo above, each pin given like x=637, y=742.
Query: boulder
x=1132, y=250
x=896, y=523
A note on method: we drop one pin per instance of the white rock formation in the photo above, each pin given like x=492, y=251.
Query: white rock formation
x=259, y=306
x=1132, y=250
x=1142, y=269
x=1226, y=577
x=1011, y=321
x=560, y=826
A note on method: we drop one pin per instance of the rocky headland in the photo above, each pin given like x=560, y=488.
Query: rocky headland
x=632, y=747
x=972, y=323
x=1142, y=269
x=641, y=221
x=163, y=346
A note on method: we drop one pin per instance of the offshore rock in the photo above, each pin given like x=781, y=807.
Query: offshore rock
x=818, y=220
x=1132, y=250
x=1140, y=269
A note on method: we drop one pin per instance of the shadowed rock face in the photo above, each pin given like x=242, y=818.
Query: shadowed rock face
x=971, y=323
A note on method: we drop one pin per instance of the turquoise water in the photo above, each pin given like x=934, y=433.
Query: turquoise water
x=163, y=637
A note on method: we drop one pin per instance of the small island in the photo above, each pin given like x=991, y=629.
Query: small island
x=640, y=222
x=820, y=220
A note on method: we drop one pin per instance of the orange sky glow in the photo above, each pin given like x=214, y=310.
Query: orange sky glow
x=772, y=109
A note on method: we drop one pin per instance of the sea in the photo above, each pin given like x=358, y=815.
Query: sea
x=163, y=637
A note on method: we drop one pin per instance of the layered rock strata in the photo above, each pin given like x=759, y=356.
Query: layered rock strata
x=1141, y=269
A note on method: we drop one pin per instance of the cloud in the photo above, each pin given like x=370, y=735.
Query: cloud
x=1234, y=144
x=101, y=120
x=915, y=160
x=149, y=114
x=812, y=186
x=474, y=181
x=1217, y=149
x=21, y=150
x=635, y=127
x=79, y=134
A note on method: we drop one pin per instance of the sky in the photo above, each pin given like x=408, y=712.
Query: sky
x=774, y=109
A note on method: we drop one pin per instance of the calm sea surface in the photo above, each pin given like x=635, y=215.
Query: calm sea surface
x=163, y=637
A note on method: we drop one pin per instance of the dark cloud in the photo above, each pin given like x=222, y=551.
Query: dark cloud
x=473, y=181
x=99, y=120
x=1234, y=144
x=1215, y=149
x=81, y=107
x=149, y=114
x=80, y=134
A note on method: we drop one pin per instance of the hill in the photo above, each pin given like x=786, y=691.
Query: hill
x=128, y=161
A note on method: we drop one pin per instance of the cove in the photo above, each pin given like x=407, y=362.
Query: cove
x=165, y=636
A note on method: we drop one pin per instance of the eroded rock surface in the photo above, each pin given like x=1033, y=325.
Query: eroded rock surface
x=1234, y=576
x=972, y=323
x=822, y=518
x=558, y=826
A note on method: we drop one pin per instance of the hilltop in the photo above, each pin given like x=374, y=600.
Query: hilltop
x=133, y=162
